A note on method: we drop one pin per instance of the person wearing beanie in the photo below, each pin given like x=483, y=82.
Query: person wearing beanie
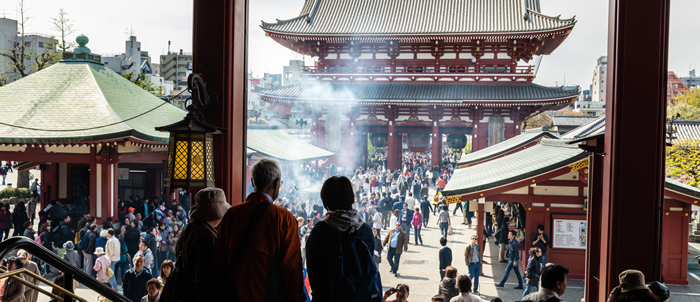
x=196, y=245
x=71, y=256
x=259, y=278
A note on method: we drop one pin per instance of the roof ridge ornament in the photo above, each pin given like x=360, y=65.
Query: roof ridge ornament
x=82, y=53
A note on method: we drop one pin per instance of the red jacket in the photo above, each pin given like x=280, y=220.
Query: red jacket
x=275, y=240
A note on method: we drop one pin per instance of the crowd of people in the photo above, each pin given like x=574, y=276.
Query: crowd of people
x=183, y=252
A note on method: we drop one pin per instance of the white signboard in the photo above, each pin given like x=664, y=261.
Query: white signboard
x=570, y=234
x=123, y=174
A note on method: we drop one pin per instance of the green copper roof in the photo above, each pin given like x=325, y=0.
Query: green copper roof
x=280, y=145
x=545, y=157
x=682, y=188
x=511, y=144
x=82, y=94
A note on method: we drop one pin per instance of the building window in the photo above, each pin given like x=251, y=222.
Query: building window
x=41, y=44
x=27, y=43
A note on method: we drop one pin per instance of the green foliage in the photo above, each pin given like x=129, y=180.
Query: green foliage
x=688, y=108
x=370, y=148
x=683, y=162
x=468, y=148
x=15, y=192
x=691, y=97
x=142, y=81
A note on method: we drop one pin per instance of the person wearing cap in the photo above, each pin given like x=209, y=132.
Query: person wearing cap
x=71, y=256
x=130, y=214
x=196, y=244
x=260, y=277
x=30, y=294
x=632, y=288
x=552, y=284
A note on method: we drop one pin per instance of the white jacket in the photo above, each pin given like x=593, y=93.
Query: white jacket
x=113, y=249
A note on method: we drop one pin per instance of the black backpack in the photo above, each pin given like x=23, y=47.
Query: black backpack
x=359, y=277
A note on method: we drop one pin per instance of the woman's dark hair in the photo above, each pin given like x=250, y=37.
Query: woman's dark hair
x=496, y=300
x=540, y=227
x=396, y=212
x=43, y=227
x=408, y=290
x=153, y=281
x=129, y=232
x=20, y=207
x=18, y=263
x=337, y=193
x=167, y=263
x=533, y=251
x=437, y=298
x=464, y=283
x=637, y=295
x=451, y=272
x=27, y=224
x=106, y=225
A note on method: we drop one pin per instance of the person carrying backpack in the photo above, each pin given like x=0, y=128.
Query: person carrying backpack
x=353, y=276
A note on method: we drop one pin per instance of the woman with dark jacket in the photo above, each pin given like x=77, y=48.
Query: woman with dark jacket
x=3, y=221
x=19, y=216
x=131, y=239
x=122, y=211
x=448, y=285
x=323, y=246
x=502, y=238
x=533, y=271
x=377, y=253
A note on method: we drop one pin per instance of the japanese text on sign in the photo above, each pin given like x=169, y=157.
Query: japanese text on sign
x=570, y=234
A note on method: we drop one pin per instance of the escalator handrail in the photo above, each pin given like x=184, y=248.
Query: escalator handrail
x=19, y=242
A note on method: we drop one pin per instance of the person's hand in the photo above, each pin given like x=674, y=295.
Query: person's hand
x=527, y=280
x=389, y=292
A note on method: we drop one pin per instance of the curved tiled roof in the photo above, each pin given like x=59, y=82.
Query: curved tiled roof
x=280, y=145
x=545, y=157
x=416, y=92
x=511, y=144
x=591, y=127
x=572, y=120
x=686, y=129
x=81, y=96
x=417, y=17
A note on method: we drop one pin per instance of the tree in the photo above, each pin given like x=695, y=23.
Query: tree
x=538, y=120
x=686, y=104
x=683, y=162
x=64, y=26
x=142, y=81
x=25, y=59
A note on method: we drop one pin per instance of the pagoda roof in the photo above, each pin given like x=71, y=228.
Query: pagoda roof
x=280, y=145
x=514, y=143
x=80, y=100
x=512, y=94
x=418, y=17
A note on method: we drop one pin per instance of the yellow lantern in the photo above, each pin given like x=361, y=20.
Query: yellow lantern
x=190, y=153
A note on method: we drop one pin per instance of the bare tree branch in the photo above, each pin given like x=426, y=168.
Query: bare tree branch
x=64, y=26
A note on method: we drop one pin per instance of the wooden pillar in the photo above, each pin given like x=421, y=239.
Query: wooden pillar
x=595, y=185
x=436, y=159
x=93, y=182
x=219, y=54
x=633, y=183
x=480, y=224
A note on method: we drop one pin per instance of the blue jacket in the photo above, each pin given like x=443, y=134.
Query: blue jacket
x=398, y=205
x=513, y=249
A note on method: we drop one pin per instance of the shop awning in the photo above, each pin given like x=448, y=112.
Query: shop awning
x=279, y=145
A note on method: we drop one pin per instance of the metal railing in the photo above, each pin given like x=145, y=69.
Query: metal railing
x=70, y=272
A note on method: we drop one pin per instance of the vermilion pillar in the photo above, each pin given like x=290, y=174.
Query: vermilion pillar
x=633, y=179
x=391, y=147
x=219, y=43
x=436, y=159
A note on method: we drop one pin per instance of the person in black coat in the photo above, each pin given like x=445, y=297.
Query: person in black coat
x=19, y=217
x=533, y=271
x=135, y=280
x=377, y=253
x=502, y=239
x=323, y=246
x=445, y=256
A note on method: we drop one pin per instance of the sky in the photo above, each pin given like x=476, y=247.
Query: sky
x=154, y=23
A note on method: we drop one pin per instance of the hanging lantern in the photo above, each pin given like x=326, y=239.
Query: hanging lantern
x=456, y=142
x=190, y=155
x=378, y=140
x=190, y=150
x=418, y=142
